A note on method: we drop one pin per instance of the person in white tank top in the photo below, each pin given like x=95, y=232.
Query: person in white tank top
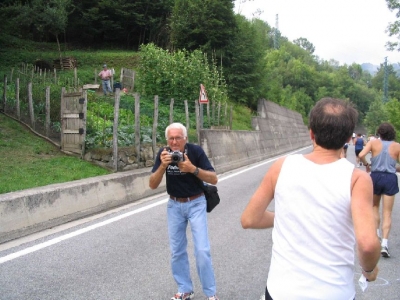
x=323, y=209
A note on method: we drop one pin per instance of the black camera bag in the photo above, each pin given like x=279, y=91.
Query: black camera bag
x=211, y=194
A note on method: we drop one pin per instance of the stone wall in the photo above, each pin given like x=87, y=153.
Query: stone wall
x=127, y=157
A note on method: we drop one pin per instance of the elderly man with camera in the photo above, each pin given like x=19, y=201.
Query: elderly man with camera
x=183, y=165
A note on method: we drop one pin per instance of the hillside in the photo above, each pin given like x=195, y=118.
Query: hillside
x=29, y=161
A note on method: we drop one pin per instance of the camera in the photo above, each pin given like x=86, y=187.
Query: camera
x=176, y=156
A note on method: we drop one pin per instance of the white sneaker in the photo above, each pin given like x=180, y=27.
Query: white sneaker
x=183, y=296
x=385, y=251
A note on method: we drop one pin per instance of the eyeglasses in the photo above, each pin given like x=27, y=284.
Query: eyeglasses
x=178, y=139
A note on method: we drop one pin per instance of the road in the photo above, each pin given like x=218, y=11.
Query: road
x=124, y=254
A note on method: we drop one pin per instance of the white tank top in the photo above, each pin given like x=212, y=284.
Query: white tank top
x=313, y=235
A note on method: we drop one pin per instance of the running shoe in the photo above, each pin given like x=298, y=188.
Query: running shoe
x=183, y=296
x=385, y=251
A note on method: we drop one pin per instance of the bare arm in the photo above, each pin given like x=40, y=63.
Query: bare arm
x=157, y=176
x=256, y=214
x=365, y=151
x=368, y=246
x=205, y=175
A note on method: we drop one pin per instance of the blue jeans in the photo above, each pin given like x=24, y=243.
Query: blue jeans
x=179, y=214
x=106, y=86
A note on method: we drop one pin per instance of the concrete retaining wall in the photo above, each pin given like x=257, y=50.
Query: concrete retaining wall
x=33, y=210
x=278, y=130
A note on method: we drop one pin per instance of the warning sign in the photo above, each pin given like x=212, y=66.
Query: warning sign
x=203, y=95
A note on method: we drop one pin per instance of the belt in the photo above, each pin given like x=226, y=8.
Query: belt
x=185, y=199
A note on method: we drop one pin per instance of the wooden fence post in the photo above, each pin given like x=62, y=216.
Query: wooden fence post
x=219, y=112
x=4, y=93
x=112, y=79
x=226, y=110
x=75, y=77
x=18, y=108
x=231, y=118
x=47, y=125
x=62, y=120
x=30, y=102
x=187, y=118
x=213, y=113
x=208, y=113
x=121, y=76
x=197, y=120
x=171, y=111
x=155, y=125
x=137, y=126
x=115, y=131
x=84, y=120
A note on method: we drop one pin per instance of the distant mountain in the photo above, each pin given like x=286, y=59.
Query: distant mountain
x=373, y=69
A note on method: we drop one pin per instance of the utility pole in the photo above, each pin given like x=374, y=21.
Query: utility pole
x=276, y=33
x=385, y=81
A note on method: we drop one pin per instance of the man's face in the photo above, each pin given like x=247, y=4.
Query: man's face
x=176, y=140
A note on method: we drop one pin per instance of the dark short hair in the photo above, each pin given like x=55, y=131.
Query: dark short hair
x=332, y=121
x=386, y=132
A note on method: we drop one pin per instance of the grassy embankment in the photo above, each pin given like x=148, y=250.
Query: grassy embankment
x=27, y=160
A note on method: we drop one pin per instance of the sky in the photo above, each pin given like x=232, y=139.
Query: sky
x=348, y=31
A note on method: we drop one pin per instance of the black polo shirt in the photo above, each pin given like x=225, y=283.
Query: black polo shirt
x=180, y=184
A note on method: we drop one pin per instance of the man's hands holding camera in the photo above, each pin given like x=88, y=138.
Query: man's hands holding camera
x=178, y=158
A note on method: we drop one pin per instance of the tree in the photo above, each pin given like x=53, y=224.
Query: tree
x=38, y=18
x=393, y=113
x=393, y=29
x=52, y=17
x=207, y=25
x=376, y=115
x=393, y=81
x=246, y=71
x=120, y=22
x=305, y=44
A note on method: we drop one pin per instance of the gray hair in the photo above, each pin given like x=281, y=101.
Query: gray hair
x=176, y=126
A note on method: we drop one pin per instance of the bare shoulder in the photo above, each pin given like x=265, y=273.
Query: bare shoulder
x=280, y=161
x=273, y=173
x=277, y=166
x=360, y=178
x=396, y=145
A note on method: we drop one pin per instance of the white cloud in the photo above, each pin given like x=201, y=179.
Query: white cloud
x=344, y=30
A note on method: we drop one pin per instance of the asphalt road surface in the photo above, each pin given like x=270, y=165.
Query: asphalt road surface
x=124, y=254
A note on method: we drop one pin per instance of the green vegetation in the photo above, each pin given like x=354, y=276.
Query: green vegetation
x=29, y=161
